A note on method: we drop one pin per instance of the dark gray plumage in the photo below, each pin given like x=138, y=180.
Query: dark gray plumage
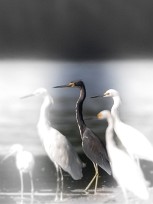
x=94, y=149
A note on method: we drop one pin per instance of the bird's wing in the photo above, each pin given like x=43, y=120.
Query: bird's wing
x=61, y=152
x=95, y=150
x=134, y=141
x=119, y=143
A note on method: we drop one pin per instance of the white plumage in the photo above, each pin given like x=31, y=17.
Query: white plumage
x=134, y=141
x=56, y=145
x=126, y=172
x=24, y=162
x=60, y=151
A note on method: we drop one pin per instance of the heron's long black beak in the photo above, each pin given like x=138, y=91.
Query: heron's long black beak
x=96, y=96
x=62, y=86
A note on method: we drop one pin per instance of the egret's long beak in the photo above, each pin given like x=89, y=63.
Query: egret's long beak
x=27, y=96
x=96, y=96
x=6, y=156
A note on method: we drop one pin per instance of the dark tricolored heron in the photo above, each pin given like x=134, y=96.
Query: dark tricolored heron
x=24, y=162
x=91, y=144
x=57, y=147
x=124, y=169
x=137, y=145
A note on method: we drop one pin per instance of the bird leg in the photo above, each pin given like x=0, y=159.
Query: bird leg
x=32, y=200
x=21, y=179
x=125, y=195
x=62, y=181
x=31, y=181
x=94, y=177
x=97, y=175
x=58, y=180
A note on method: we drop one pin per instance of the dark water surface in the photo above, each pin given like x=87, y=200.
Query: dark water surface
x=18, y=119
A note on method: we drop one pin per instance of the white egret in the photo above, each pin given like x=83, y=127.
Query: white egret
x=56, y=145
x=124, y=169
x=24, y=162
x=137, y=145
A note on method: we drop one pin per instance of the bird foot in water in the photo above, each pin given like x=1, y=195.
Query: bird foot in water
x=86, y=191
x=58, y=199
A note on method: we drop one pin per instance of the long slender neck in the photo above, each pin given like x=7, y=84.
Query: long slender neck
x=109, y=133
x=79, y=110
x=114, y=110
x=110, y=125
x=44, y=111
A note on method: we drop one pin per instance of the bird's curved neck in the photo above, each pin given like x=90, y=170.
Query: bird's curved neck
x=110, y=126
x=44, y=111
x=79, y=110
x=109, y=132
x=114, y=110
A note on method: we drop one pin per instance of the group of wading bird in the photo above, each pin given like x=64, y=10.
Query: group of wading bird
x=120, y=157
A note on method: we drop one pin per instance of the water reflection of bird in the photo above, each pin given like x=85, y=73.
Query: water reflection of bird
x=124, y=169
x=57, y=147
x=24, y=162
x=91, y=144
x=135, y=142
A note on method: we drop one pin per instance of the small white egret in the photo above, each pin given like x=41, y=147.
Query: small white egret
x=137, y=145
x=124, y=169
x=57, y=147
x=24, y=162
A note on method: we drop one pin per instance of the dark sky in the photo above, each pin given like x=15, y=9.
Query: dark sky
x=76, y=29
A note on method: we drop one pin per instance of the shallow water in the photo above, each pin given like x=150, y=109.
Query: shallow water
x=110, y=196
x=18, y=119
